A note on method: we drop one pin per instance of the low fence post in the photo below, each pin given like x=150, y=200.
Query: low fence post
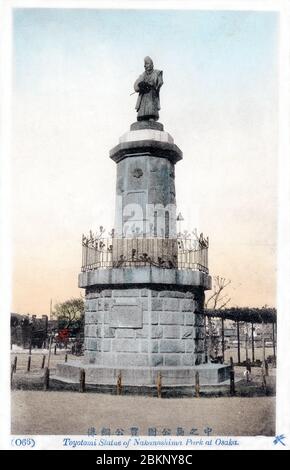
x=232, y=377
x=266, y=368
x=264, y=381
x=82, y=380
x=15, y=364
x=28, y=363
x=65, y=357
x=197, y=386
x=11, y=374
x=46, y=379
x=232, y=382
x=55, y=350
x=43, y=361
x=159, y=385
x=119, y=383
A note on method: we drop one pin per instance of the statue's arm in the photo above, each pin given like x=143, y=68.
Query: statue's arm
x=138, y=81
x=159, y=79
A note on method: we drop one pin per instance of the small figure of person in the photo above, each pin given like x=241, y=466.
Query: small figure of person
x=148, y=86
x=247, y=375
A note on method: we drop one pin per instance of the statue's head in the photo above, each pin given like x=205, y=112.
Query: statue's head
x=148, y=64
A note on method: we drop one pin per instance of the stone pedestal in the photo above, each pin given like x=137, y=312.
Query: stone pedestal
x=144, y=326
x=142, y=321
x=181, y=380
x=145, y=189
x=144, y=304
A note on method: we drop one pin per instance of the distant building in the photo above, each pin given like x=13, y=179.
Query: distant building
x=28, y=330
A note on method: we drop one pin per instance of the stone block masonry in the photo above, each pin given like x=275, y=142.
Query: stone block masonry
x=144, y=327
x=144, y=290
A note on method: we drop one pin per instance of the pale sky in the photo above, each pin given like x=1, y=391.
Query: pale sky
x=73, y=73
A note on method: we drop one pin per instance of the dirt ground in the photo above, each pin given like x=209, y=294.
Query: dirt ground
x=233, y=352
x=36, y=361
x=36, y=358
x=72, y=413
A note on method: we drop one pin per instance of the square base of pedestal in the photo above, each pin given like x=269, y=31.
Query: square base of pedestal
x=209, y=374
x=143, y=328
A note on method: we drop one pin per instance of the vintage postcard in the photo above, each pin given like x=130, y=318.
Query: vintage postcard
x=145, y=225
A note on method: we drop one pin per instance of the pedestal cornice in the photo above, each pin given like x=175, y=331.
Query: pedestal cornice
x=146, y=275
x=145, y=147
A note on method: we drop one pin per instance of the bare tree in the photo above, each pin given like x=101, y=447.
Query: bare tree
x=217, y=300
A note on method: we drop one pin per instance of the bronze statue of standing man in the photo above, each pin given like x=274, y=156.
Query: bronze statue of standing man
x=148, y=86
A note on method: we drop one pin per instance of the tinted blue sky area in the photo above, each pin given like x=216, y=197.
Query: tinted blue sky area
x=229, y=48
x=73, y=74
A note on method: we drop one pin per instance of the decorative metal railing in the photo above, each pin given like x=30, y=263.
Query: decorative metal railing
x=182, y=252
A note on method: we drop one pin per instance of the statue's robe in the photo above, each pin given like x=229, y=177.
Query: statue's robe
x=148, y=103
